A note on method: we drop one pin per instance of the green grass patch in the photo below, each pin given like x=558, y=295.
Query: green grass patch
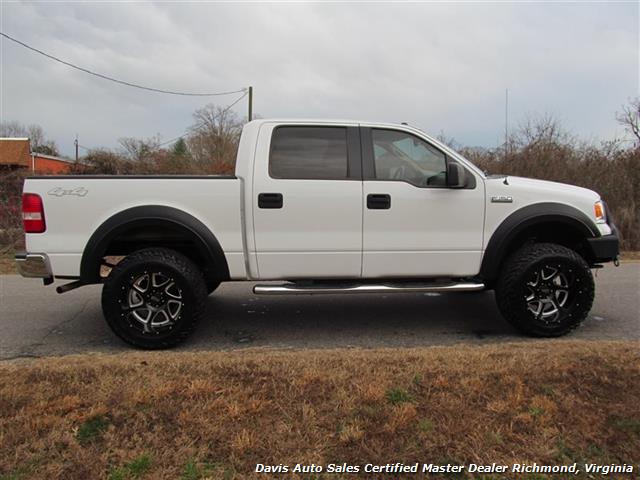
x=134, y=469
x=497, y=438
x=425, y=425
x=15, y=475
x=191, y=471
x=92, y=429
x=196, y=471
x=396, y=396
x=547, y=390
x=626, y=424
x=536, y=411
x=20, y=472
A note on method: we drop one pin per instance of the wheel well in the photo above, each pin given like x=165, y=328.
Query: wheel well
x=145, y=227
x=559, y=232
x=172, y=236
x=549, y=232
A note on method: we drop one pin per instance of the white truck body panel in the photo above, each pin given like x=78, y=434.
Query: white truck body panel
x=427, y=231
x=72, y=219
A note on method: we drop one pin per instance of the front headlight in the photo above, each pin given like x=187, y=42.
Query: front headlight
x=598, y=210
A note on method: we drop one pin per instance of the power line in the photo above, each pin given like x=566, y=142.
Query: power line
x=190, y=130
x=226, y=109
x=121, y=82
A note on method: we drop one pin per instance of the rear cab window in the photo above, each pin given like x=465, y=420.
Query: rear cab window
x=309, y=152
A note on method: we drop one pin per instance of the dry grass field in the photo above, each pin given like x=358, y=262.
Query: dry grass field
x=216, y=414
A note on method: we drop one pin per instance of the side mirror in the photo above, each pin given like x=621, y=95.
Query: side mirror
x=456, y=175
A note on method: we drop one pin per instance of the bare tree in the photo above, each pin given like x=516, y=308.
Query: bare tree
x=34, y=133
x=213, y=142
x=448, y=141
x=12, y=129
x=139, y=149
x=105, y=162
x=629, y=118
x=143, y=153
x=540, y=130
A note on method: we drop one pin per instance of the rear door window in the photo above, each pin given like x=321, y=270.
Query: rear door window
x=314, y=153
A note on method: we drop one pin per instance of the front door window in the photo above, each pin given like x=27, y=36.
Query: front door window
x=405, y=157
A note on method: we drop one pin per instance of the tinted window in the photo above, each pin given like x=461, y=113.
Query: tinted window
x=309, y=153
x=402, y=156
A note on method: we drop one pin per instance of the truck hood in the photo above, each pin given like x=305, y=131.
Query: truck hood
x=541, y=190
x=521, y=192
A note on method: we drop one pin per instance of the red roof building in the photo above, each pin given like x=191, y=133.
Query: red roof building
x=15, y=153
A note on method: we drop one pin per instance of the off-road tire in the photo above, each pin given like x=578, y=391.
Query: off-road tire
x=138, y=285
x=522, y=290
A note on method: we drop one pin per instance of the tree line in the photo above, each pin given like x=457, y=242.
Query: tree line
x=209, y=147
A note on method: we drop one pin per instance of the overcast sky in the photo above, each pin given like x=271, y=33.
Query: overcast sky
x=441, y=67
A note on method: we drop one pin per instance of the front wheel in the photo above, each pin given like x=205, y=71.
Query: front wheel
x=154, y=298
x=211, y=285
x=545, y=290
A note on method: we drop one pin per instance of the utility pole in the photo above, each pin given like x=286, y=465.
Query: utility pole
x=76, y=144
x=250, y=103
x=506, y=123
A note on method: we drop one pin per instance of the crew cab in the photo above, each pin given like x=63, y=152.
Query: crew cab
x=323, y=207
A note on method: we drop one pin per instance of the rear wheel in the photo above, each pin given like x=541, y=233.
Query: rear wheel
x=154, y=298
x=545, y=290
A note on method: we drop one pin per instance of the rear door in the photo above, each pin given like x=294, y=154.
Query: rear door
x=307, y=201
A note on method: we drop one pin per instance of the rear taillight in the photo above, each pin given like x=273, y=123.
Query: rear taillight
x=33, y=213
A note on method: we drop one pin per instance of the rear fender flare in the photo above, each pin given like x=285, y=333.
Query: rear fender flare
x=152, y=215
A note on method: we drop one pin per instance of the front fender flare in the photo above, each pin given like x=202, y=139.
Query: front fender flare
x=518, y=221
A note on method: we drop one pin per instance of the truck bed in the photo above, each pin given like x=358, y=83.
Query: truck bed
x=77, y=205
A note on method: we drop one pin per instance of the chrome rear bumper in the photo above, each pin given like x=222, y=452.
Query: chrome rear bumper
x=33, y=265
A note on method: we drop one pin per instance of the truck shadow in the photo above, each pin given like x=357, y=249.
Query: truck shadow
x=235, y=317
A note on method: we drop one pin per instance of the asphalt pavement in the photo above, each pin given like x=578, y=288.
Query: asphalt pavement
x=35, y=321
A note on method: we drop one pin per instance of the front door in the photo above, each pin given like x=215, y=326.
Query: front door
x=414, y=226
x=307, y=202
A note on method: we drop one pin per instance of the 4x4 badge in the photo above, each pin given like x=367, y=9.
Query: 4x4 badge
x=502, y=199
x=60, y=192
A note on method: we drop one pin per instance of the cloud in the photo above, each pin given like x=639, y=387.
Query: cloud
x=440, y=67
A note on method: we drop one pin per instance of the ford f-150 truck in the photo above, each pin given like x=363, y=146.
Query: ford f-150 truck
x=325, y=207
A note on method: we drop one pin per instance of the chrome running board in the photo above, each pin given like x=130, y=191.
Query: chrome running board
x=295, y=288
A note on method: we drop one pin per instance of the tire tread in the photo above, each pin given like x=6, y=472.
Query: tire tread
x=507, y=296
x=179, y=262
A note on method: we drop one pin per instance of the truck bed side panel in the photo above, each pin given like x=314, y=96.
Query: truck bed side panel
x=75, y=206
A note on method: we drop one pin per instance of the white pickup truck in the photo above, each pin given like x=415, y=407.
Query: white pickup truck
x=325, y=207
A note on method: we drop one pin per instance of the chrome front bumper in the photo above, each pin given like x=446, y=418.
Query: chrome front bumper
x=33, y=265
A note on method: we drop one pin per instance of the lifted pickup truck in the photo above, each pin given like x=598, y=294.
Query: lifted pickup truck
x=325, y=207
